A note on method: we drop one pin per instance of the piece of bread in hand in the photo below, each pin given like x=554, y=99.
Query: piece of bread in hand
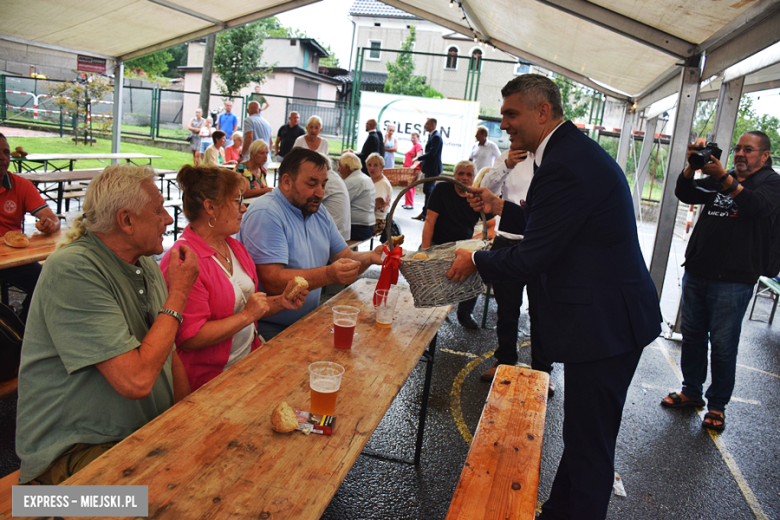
x=283, y=418
x=299, y=284
x=16, y=239
x=420, y=256
x=397, y=241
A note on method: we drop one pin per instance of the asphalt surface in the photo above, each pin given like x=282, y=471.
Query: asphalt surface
x=669, y=465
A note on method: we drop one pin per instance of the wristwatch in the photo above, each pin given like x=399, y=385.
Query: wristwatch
x=724, y=178
x=732, y=188
x=171, y=312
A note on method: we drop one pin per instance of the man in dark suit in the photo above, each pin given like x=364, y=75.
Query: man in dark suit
x=597, y=304
x=431, y=161
x=373, y=144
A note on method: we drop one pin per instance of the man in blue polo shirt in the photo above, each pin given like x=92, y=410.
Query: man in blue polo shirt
x=228, y=122
x=288, y=235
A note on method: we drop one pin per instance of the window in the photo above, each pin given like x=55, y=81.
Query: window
x=374, y=53
x=306, y=59
x=452, y=59
x=522, y=68
x=476, y=60
x=377, y=24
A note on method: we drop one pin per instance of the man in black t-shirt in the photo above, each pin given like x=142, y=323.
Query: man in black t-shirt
x=287, y=135
x=450, y=218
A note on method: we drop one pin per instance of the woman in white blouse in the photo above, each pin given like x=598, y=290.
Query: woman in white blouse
x=311, y=140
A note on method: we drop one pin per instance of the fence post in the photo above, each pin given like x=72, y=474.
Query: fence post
x=2, y=97
x=153, y=113
x=157, y=119
x=61, y=121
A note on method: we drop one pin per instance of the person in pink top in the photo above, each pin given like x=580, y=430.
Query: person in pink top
x=410, y=161
x=218, y=328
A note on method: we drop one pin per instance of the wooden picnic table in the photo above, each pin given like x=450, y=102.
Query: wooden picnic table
x=214, y=454
x=35, y=161
x=41, y=246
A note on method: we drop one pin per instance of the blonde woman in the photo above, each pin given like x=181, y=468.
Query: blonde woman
x=311, y=140
x=384, y=190
x=253, y=170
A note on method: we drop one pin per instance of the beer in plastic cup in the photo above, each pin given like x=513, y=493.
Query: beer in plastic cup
x=344, y=321
x=324, y=381
x=384, y=304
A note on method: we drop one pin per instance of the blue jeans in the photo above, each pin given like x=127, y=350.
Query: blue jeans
x=712, y=312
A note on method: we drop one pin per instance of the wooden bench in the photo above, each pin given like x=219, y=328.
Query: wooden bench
x=771, y=289
x=176, y=204
x=6, y=483
x=500, y=478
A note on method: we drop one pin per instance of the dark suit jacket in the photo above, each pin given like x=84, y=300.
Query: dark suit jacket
x=373, y=144
x=431, y=159
x=597, y=299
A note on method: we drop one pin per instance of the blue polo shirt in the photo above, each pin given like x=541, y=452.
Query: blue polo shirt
x=228, y=123
x=275, y=232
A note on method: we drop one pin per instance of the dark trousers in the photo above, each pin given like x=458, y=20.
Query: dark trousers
x=593, y=408
x=358, y=232
x=509, y=299
x=427, y=190
x=23, y=277
x=466, y=307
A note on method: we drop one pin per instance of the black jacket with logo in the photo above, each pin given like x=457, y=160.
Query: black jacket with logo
x=733, y=241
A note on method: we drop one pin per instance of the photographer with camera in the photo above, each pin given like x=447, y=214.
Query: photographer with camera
x=733, y=243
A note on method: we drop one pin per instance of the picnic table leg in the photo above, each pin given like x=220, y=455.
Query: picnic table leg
x=429, y=358
x=60, y=194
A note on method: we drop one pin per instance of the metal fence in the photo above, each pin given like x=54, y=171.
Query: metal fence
x=149, y=111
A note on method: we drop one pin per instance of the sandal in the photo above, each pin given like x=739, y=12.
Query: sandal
x=714, y=416
x=677, y=402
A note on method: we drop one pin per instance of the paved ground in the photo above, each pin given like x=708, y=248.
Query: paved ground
x=670, y=466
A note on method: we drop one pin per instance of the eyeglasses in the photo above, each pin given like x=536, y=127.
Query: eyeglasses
x=747, y=149
x=239, y=200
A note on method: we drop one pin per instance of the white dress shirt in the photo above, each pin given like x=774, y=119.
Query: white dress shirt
x=512, y=184
x=484, y=155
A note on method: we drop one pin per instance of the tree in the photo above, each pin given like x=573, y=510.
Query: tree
x=152, y=65
x=75, y=98
x=575, y=98
x=331, y=60
x=237, y=58
x=400, y=73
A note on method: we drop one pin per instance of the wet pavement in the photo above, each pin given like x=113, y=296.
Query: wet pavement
x=669, y=465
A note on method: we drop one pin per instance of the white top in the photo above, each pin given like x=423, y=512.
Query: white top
x=384, y=191
x=336, y=201
x=512, y=184
x=243, y=287
x=301, y=143
x=362, y=197
x=484, y=155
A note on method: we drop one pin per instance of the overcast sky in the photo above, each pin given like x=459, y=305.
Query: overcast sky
x=327, y=22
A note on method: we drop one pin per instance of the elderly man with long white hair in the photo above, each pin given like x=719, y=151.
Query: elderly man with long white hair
x=97, y=359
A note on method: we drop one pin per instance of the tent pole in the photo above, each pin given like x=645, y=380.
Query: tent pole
x=116, y=129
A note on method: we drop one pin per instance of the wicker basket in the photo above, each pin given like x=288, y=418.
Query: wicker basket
x=427, y=281
x=401, y=176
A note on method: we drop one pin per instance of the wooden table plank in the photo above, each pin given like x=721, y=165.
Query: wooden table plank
x=215, y=454
x=41, y=246
x=501, y=476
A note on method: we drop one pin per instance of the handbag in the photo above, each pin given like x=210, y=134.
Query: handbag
x=189, y=138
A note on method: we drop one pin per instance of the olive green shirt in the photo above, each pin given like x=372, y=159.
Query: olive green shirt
x=89, y=306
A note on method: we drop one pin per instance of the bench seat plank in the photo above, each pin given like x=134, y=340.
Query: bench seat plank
x=500, y=478
x=6, y=485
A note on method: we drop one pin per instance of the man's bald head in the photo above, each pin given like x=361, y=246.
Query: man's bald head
x=371, y=124
x=253, y=107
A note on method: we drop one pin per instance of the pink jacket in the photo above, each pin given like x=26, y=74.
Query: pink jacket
x=212, y=298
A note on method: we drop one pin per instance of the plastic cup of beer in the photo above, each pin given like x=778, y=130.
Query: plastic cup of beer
x=344, y=321
x=324, y=381
x=384, y=304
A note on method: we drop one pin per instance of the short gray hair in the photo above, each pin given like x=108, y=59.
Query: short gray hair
x=376, y=157
x=314, y=119
x=119, y=186
x=483, y=128
x=351, y=161
x=462, y=165
x=536, y=89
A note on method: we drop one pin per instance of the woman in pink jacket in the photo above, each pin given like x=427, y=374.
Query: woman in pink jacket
x=219, y=319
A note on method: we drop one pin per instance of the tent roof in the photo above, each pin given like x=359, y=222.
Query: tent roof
x=627, y=48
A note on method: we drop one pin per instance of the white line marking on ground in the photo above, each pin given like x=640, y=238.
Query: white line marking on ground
x=464, y=354
x=750, y=497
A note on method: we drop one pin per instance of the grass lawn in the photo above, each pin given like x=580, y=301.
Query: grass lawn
x=170, y=159
x=174, y=133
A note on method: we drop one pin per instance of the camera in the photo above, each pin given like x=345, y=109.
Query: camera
x=704, y=155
